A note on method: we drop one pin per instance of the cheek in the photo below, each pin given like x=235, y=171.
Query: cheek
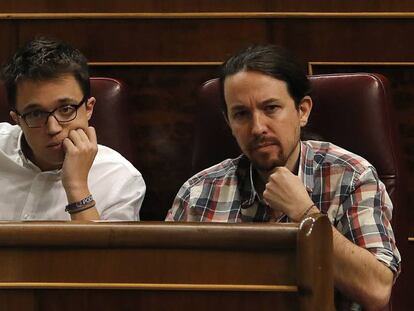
x=74, y=125
x=80, y=122
x=34, y=141
x=290, y=138
x=240, y=134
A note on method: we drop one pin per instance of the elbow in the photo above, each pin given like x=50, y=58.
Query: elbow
x=377, y=297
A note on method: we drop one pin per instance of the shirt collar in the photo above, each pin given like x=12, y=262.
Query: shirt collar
x=306, y=166
x=24, y=160
x=245, y=182
x=252, y=207
x=254, y=192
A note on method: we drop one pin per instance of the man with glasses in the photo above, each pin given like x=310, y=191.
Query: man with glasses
x=51, y=167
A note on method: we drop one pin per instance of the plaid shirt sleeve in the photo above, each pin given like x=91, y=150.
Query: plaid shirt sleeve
x=179, y=209
x=365, y=218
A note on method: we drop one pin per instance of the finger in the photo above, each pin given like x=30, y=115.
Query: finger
x=78, y=136
x=82, y=135
x=74, y=137
x=67, y=144
x=91, y=133
x=276, y=169
x=266, y=195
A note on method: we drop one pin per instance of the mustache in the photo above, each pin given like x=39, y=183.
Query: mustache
x=263, y=141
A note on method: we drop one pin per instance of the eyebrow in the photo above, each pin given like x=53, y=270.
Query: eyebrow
x=237, y=107
x=265, y=102
x=60, y=101
x=269, y=101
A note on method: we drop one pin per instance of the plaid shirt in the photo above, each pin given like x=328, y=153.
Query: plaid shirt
x=343, y=186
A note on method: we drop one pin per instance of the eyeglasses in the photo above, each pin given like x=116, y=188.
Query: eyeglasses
x=39, y=118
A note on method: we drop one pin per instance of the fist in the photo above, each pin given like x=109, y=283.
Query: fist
x=285, y=192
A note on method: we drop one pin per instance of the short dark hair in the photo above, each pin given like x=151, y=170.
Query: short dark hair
x=44, y=59
x=271, y=60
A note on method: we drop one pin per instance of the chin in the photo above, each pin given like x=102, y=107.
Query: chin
x=268, y=164
x=53, y=163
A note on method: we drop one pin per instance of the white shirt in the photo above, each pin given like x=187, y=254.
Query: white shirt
x=27, y=193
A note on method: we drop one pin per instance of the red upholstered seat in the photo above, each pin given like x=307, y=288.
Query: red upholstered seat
x=111, y=117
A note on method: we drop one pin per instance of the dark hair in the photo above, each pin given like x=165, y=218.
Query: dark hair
x=270, y=60
x=44, y=59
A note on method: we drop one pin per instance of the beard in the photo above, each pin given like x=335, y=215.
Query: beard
x=268, y=162
x=275, y=156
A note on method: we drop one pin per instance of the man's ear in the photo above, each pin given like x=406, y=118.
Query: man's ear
x=15, y=117
x=90, y=104
x=305, y=108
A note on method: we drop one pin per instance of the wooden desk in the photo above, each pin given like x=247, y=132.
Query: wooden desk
x=166, y=266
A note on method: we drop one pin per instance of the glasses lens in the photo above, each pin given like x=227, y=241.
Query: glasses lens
x=36, y=118
x=65, y=113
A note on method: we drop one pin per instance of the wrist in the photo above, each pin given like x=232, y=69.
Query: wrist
x=310, y=210
x=80, y=206
x=76, y=192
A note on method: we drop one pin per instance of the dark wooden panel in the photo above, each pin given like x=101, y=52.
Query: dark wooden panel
x=198, y=40
x=203, y=6
x=150, y=40
x=156, y=270
x=28, y=265
x=162, y=107
x=9, y=39
x=348, y=39
x=85, y=300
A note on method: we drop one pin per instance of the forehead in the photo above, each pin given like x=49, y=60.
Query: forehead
x=253, y=85
x=46, y=93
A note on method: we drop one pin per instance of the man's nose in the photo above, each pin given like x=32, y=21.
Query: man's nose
x=258, y=124
x=52, y=125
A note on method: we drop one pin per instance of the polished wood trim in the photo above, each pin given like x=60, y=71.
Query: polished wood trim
x=148, y=234
x=153, y=286
x=206, y=15
x=311, y=64
x=156, y=63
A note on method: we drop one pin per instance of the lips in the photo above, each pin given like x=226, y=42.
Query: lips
x=54, y=145
x=263, y=143
x=259, y=146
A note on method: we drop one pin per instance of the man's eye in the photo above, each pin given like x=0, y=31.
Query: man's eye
x=240, y=114
x=35, y=114
x=66, y=109
x=270, y=108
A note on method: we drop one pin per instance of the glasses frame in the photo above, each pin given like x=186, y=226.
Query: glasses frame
x=51, y=113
